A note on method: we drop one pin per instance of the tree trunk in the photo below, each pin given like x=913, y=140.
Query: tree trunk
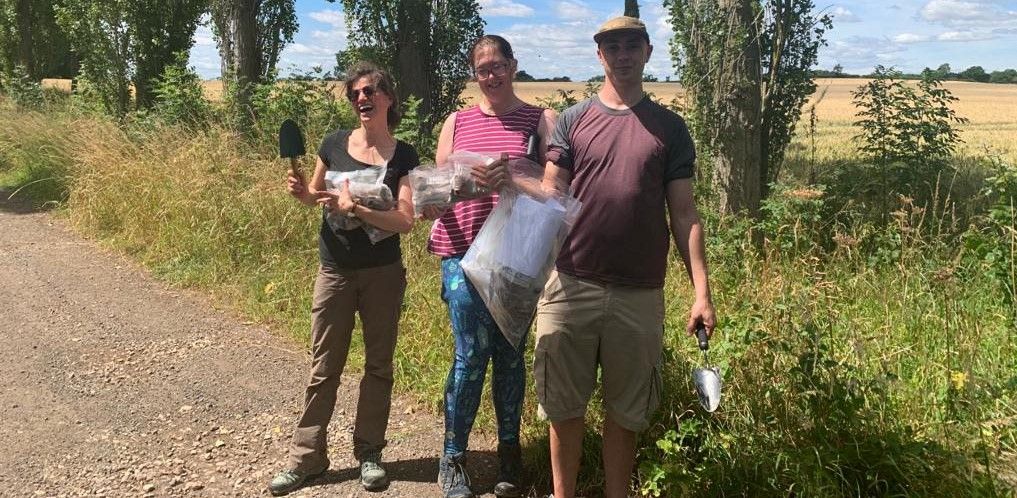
x=25, y=42
x=248, y=60
x=413, y=55
x=737, y=162
x=224, y=18
x=632, y=8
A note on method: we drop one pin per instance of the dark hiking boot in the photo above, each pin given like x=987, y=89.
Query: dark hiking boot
x=510, y=468
x=452, y=477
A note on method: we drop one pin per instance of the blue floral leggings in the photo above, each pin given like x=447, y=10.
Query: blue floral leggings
x=477, y=339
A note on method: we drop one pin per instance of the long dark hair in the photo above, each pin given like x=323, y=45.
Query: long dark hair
x=382, y=81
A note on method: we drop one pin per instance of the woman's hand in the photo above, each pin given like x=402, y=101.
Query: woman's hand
x=341, y=202
x=494, y=175
x=433, y=212
x=345, y=201
x=296, y=185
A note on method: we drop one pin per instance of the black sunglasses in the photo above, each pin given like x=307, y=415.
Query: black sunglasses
x=368, y=91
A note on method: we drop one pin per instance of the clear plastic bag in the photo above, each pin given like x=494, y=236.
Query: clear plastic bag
x=366, y=188
x=432, y=186
x=513, y=255
x=443, y=185
x=464, y=185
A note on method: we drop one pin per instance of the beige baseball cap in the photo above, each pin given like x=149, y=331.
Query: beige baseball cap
x=621, y=23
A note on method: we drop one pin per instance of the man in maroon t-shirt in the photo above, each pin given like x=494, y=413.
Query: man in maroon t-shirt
x=630, y=161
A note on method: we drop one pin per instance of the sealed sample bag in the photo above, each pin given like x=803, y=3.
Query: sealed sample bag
x=431, y=186
x=513, y=255
x=450, y=182
x=366, y=188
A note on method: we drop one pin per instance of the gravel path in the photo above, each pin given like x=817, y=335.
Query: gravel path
x=116, y=385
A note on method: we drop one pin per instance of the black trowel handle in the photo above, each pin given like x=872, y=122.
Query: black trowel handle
x=704, y=340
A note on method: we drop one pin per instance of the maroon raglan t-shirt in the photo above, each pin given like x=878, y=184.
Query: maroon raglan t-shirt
x=621, y=162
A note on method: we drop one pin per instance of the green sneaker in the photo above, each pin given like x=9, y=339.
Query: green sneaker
x=372, y=474
x=290, y=480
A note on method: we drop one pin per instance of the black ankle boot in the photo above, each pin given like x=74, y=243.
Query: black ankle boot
x=510, y=468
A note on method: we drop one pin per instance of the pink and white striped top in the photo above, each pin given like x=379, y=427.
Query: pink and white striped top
x=478, y=132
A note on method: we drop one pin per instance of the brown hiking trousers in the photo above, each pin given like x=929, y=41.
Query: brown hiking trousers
x=377, y=294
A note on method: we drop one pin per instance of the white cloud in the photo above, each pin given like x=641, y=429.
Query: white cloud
x=504, y=8
x=332, y=17
x=859, y=54
x=964, y=36
x=956, y=11
x=969, y=15
x=911, y=38
x=573, y=10
x=555, y=49
x=203, y=36
x=840, y=14
x=335, y=37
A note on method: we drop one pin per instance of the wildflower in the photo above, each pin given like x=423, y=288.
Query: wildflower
x=959, y=379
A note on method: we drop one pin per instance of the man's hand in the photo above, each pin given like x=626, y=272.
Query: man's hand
x=702, y=311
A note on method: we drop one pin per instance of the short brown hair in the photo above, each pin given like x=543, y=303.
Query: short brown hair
x=382, y=81
x=496, y=41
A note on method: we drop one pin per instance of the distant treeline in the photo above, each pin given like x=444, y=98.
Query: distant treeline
x=943, y=72
x=526, y=77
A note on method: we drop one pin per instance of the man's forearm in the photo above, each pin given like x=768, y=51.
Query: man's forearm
x=691, y=243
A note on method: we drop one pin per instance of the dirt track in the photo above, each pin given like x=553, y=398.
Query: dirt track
x=116, y=385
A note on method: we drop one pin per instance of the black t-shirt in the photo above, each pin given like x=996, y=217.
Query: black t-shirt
x=352, y=249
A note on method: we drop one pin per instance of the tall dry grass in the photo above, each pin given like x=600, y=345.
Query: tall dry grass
x=859, y=358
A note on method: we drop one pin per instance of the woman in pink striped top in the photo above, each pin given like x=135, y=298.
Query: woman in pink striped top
x=501, y=124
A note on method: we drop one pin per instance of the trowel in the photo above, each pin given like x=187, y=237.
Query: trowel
x=291, y=143
x=706, y=378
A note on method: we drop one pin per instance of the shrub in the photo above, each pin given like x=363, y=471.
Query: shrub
x=309, y=100
x=179, y=98
x=409, y=130
x=24, y=91
x=904, y=123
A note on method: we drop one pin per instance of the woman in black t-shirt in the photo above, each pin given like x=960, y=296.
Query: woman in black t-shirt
x=361, y=271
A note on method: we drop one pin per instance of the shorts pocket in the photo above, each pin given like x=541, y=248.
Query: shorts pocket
x=655, y=389
x=552, y=289
x=540, y=368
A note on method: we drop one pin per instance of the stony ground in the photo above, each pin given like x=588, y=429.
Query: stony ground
x=114, y=384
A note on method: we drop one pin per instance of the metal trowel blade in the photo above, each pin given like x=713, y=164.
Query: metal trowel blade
x=708, y=384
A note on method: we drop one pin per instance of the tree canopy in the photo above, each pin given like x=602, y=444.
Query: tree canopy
x=746, y=65
x=425, y=44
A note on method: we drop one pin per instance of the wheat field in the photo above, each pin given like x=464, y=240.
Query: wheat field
x=990, y=108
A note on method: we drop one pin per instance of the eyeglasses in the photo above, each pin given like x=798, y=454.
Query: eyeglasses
x=496, y=69
x=368, y=92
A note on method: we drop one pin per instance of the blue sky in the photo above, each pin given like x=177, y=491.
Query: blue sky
x=554, y=38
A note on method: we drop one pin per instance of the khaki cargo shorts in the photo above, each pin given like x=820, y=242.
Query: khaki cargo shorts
x=583, y=325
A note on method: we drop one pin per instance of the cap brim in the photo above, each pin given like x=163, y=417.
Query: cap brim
x=600, y=36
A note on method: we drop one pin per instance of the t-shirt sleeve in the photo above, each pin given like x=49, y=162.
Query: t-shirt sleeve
x=410, y=159
x=559, y=148
x=327, y=144
x=681, y=153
